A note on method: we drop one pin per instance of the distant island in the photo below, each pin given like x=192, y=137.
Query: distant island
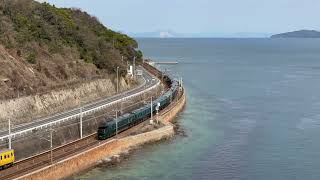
x=298, y=34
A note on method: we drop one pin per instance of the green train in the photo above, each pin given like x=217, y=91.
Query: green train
x=137, y=116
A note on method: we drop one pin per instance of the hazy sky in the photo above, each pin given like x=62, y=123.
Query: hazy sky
x=202, y=16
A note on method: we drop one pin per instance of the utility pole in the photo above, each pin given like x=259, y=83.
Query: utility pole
x=51, y=145
x=118, y=79
x=157, y=115
x=50, y=139
x=144, y=95
x=134, y=67
x=151, y=110
x=117, y=122
x=121, y=104
x=9, y=138
x=81, y=115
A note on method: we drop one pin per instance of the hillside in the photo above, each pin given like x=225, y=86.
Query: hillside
x=43, y=47
x=298, y=34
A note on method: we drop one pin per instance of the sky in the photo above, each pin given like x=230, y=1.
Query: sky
x=202, y=16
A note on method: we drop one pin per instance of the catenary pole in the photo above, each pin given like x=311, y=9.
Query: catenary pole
x=51, y=146
x=134, y=67
x=9, y=138
x=118, y=79
x=81, y=126
x=151, y=109
x=116, y=122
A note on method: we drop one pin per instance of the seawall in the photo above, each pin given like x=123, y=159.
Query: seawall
x=89, y=158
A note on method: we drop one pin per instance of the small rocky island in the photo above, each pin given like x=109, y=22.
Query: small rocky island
x=298, y=34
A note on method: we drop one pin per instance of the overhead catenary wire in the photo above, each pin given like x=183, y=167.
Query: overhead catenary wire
x=76, y=115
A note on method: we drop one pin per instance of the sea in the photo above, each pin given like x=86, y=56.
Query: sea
x=252, y=113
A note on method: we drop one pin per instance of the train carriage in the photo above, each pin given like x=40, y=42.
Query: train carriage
x=137, y=116
x=6, y=158
x=109, y=129
x=122, y=123
x=142, y=112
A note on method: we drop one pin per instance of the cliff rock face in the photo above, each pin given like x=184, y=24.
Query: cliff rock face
x=24, y=109
x=53, y=58
x=43, y=48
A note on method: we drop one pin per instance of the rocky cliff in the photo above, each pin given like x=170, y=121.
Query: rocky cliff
x=43, y=48
x=53, y=58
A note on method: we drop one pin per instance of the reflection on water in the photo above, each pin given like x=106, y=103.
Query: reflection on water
x=252, y=113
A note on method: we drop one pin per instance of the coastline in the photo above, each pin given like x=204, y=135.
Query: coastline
x=106, y=150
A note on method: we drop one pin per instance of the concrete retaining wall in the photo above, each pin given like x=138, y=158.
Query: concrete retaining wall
x=34, y=143
x=90, y=157
x=169, y=114
x=25, y=109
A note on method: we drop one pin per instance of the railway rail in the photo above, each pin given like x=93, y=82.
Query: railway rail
x=57, y=154
x=149, y=83
x=44, y=159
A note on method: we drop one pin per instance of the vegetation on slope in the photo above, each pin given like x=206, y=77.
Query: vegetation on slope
x=57, y=44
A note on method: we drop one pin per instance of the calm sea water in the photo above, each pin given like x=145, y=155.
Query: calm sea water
x=253, y=112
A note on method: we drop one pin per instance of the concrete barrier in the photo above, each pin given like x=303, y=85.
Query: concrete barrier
x=89, y=158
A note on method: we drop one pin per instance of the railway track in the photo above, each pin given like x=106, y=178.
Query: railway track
x=148, y=84
x=37, y=162
x=43, y=160
x=48, y=158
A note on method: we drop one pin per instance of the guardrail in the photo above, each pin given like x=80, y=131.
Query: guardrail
x=85, y=112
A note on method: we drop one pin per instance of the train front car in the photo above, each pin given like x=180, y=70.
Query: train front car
x=6, y=158
x=110, y=128
x=104, y=131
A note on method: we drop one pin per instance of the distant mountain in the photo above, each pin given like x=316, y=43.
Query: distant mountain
x=156, y=34
x=298, y=34
x=172, y=34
